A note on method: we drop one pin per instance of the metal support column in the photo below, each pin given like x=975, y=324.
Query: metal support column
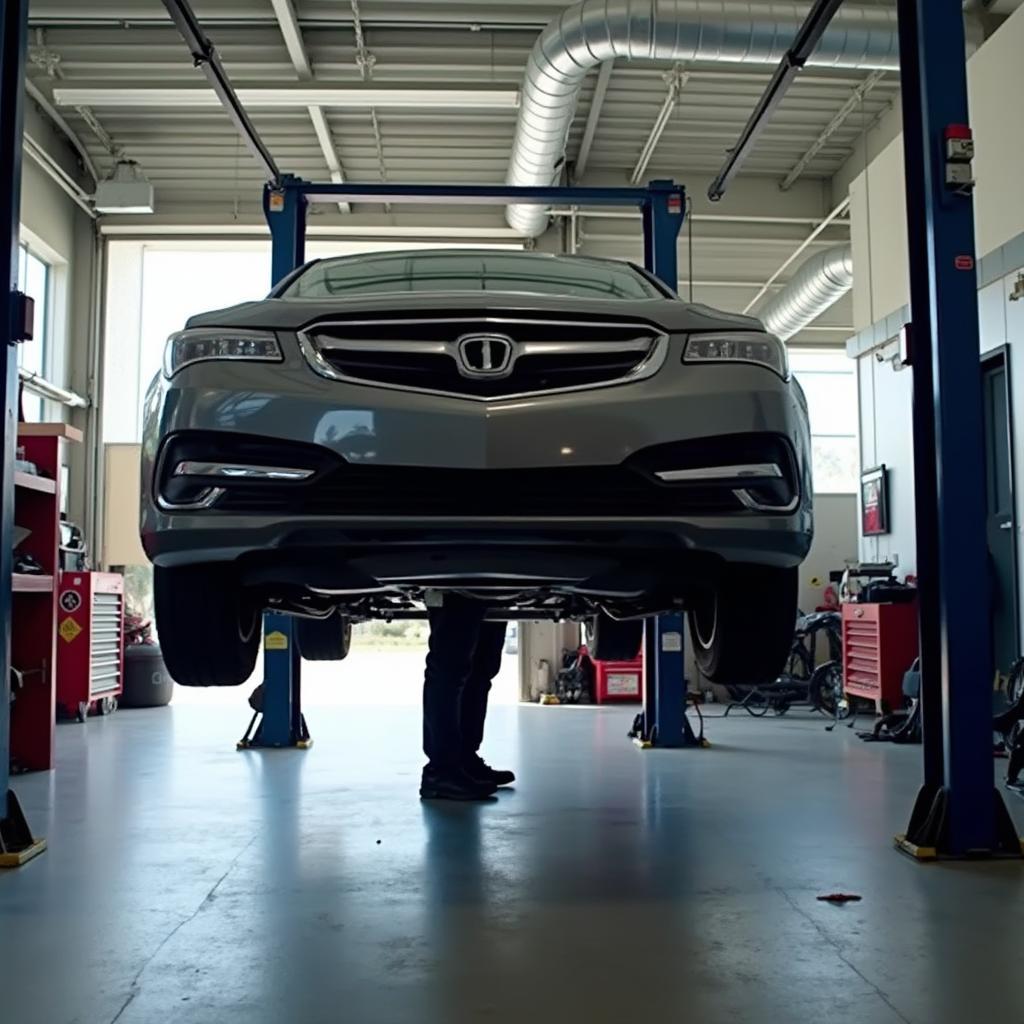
x=663, y=215
x=279, y=698
x=17, y=843
x=664, y=722
x=285, y=209
x=959, y=812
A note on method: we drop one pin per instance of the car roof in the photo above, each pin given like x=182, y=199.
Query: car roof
x=467, y=251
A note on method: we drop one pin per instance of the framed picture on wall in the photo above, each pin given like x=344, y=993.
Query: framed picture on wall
x=874, y=501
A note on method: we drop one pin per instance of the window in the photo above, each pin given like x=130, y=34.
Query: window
x=34, y=281
x=445, y=271
x=829, y=380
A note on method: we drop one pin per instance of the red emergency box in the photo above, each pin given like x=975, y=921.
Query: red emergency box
x=619, y=681
x=90, y=642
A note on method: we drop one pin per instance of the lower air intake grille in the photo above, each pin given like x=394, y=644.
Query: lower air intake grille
x=415, y=492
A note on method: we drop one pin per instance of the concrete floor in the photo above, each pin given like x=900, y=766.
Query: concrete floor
x=187, y=882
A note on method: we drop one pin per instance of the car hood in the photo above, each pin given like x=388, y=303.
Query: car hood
x=670, y=315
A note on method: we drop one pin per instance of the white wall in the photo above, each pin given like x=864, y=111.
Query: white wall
x=886, y=438
x=835, y=542
x=995, y=76
x=881, y=284
x=878, y=235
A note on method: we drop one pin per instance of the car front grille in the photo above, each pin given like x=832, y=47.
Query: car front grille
x=429, y=356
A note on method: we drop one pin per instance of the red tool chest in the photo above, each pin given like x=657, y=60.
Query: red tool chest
x=90, y=642
x=619, y=680
x=34, y=601
x=879, y=644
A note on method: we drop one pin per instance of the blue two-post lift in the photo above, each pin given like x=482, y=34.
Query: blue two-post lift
x=278, y=721
x=662, y=205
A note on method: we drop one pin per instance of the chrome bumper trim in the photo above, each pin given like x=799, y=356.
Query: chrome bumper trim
x=762, y=471
x=240, y=471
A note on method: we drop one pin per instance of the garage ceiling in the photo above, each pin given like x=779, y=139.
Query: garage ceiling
x=201, y=170
x=192, y=154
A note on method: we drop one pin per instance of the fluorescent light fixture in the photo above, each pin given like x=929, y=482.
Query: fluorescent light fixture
x=126, y=190
x=297, y=96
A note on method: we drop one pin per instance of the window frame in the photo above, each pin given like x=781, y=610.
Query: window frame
x=44, y=316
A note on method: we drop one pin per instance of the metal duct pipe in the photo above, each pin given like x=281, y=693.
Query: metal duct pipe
x=820, y=282
x=594, y=31
x=42, y=387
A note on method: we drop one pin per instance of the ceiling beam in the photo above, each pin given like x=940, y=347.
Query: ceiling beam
x=604, y=76
x=285, y=96
x=331, y=158
x=831, y=128
x=287, y=19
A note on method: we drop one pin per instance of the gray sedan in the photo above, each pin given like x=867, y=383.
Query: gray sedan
x=560, y=435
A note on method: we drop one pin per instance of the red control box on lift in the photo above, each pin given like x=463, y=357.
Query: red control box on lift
x=90, y=642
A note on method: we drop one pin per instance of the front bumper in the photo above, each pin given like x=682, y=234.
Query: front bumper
x=429, y=438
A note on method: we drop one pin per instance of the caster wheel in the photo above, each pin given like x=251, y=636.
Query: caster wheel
x=108, y=705
x=83, y=711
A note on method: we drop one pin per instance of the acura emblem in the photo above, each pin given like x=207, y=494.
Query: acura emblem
x=485, y=355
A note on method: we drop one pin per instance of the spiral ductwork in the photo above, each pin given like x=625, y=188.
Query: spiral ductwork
x=819, y=283
x=594, y=31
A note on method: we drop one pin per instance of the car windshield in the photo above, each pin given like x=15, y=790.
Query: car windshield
x=529, y=273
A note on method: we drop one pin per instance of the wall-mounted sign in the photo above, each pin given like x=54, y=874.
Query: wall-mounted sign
x=874, y=501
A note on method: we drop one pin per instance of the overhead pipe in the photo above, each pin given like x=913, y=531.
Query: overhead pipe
x=61, y=178
x=818, y=284
x=54, y=115
x=45, y=389
x=594, y=31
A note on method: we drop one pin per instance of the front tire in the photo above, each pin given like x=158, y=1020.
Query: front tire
x=742, y=631
x=209, y=629
x=324, y=639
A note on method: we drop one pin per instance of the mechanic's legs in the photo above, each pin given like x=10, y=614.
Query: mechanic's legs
x=484, y=667
x=473, y=703
x=453, y=634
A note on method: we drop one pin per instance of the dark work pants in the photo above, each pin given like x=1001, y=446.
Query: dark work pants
x=464, y=656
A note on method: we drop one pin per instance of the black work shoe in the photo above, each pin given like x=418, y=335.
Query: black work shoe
x=480, y=771
x=444, y=783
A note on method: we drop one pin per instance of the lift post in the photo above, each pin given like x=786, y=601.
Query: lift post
x=663, y=721
x=959, y=812
x=17, y=844
x=285, y=205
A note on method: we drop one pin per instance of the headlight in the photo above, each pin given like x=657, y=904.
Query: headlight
x=739, y=347
x=203, y=343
